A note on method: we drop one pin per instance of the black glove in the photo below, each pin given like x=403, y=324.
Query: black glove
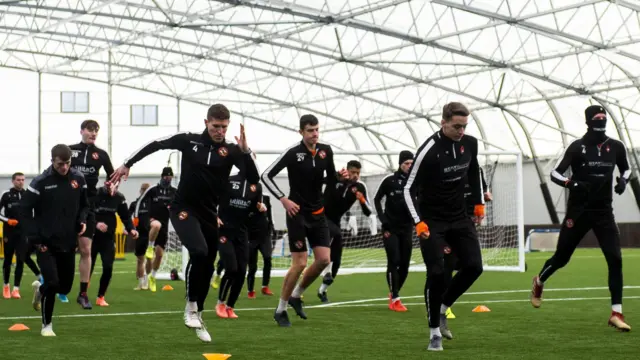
x=622, y=184
x=578, y=185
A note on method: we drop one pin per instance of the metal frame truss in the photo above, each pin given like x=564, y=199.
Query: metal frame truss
x=382, y=67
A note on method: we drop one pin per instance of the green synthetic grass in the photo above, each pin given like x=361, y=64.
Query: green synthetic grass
x=571, y=324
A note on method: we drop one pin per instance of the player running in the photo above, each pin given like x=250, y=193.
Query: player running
x=57, y=198
x=592, y=160
x=397, y=228
x=157, y=199
x=337, y=201
x=88, y=159
x=434, y=193
x=306, y=163
x=207, y=159
x=14, y=241
x=260, y=227
x=107, y=204
x=143, y=266
x=242, y=196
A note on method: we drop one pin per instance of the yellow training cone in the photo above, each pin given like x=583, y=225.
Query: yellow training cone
x=216, y=356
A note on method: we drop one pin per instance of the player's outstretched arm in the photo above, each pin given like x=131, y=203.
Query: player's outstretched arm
x=557, y=174
x=178, y=141
x=623, y=166
x=274, y=169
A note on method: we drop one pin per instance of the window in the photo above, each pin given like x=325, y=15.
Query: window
x=74, y=102
x=144, y=115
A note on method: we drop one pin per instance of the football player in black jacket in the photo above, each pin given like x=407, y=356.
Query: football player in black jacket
x=306, y=163
x=397, y=228
x=207, y=159
x=53, y=213
x=156, y=199
x=88, y=159
x=592, y=160
x=15, y=243
x=106, y=205
x=434, y=193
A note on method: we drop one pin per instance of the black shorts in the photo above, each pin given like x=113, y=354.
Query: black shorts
x=313, y=227
x=163, y=234
x=142, y=243
x=258, y=236
x=457, y=237
x=91, y=225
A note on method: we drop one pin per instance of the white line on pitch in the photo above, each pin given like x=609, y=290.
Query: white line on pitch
x=343, y=304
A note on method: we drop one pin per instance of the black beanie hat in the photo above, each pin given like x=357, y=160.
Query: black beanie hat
x=592, y=111
x=404, y=156
x=167, y=172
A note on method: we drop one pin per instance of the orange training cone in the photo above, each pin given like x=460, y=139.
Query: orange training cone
x=167, y=288
x=481, y=308
x=18, y=327
x=216, y=356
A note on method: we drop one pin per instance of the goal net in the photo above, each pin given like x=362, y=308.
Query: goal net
x=501, y=233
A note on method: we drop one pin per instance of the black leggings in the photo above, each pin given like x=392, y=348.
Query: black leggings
x=259, y=242
x=234, y=250
x=103, y=244
x=398, y=244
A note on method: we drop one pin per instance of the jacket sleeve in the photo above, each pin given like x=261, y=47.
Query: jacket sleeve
x=83, y=209
x=3, y=205
x=30, y=201
x=146, y=196
x=245, y=163
x=557, y=174
x=623, y=162
x=484, y=180
x=475, y=178
x=125, y=216
x=176, y=142
x=418, y=171
x=274, y=169
x=267, y=202
x=108, y=166
x=332, y=176
x=377, y=200
x=366, y=204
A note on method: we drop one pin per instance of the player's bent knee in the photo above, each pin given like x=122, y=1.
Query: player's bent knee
x=156, y=225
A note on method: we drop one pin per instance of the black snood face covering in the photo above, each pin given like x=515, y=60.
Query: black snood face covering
x=597, y=128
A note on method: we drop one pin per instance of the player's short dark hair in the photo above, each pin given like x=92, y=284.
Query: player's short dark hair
x=90, y=125
x=354, y=164
x=308, y=119
x=452, y=109
x=218, y=112
x=15, y=175
x=61, y=151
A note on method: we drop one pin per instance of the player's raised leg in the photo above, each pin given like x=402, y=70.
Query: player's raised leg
x=335, y=258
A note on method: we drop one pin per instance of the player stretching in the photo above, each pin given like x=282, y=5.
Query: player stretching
x=242, y=196
x=15, y=242
x=260, y=227
x=338, y=200
x=88, y=159
x=592, y=160
x=207, y=160
x=435, y=197
x=107, y=204
x=306, y=163
x=397, y=228
x=157, y=199
x=143, y=267
x=57, y=198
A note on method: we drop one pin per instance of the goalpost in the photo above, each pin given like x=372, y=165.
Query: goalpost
x=501, y=233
